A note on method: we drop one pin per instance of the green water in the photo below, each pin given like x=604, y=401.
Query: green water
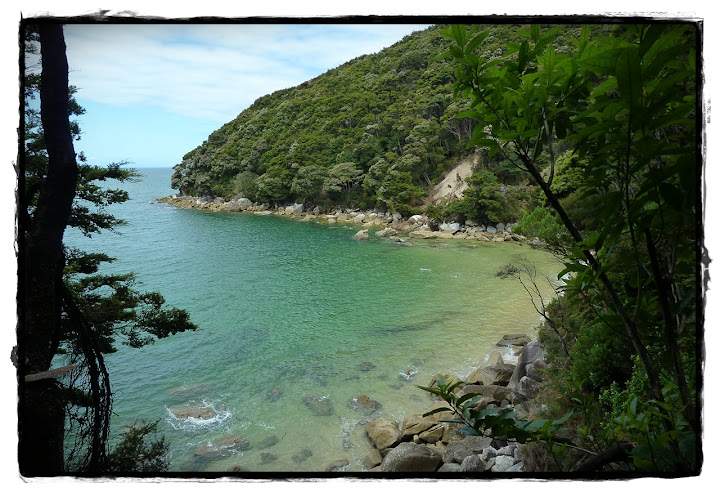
x=302, y=309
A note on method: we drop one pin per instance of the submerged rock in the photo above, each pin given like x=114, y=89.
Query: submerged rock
x=364, y=404
x=365, y=366
x=200, y=410
x=319, y=405
x=268, y=442
x=337, y=465
x=266, y=458
x=302, y=455
x=222, y=447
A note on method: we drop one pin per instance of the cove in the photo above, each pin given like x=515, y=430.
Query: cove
x=295, y=318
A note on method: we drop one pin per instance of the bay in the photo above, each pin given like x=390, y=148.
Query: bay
x=290, y=309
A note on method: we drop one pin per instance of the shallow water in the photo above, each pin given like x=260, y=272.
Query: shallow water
x=288, y=309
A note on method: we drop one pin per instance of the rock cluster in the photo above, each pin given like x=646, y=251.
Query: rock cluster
x=391, y=225
x=427, y=444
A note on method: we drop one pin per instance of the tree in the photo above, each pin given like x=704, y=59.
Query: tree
x=342, y=177
x=627, y=104
x=67, y=307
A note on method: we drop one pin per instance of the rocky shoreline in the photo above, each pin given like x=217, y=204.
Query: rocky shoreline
x=426, y=444
x=419, y=444
x=393, y=226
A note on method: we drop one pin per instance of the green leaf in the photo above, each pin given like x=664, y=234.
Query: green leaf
x=476, y=41
x=629, y=77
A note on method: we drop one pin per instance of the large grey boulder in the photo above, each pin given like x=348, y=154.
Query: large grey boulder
x=363, y=234
x=472, y=463
x=411, y=457
x=383, y=433
x=502, y=463
x=456, y=452
x=533, y=352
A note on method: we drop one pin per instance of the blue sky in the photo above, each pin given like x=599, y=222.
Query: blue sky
x=153, y=92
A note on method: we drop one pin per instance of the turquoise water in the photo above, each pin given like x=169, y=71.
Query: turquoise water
x=288, y=309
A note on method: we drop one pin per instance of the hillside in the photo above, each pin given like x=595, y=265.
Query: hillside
x=379, y=131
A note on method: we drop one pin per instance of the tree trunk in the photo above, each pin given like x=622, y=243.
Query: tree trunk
x=41, y=407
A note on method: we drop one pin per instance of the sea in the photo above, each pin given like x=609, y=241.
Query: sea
x=289, y=311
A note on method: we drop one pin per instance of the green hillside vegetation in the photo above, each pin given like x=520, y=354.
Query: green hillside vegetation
x=376, y=132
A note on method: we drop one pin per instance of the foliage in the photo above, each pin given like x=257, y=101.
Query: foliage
x=495, y=422
x=607, y=128
x=541, y=223
x=142, y=450
x=391, y=110
x=96, y=307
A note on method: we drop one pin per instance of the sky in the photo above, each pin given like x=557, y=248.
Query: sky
x=153, y=92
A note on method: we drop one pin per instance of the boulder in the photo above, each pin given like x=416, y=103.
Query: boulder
x=388, y=231
x=372, y=459
x=410, y=457
x=364, y=404
x=383, y=433
x=449, y=468
x=363, y=234
x=491, y=230
x=417, y=219
x=494, y=358
x=525, y=389
x=497, y=375
x=319, y=405
x=535, y=370
x=472, y=463
x=515, y=339
x=424, y=234
x=415, y=424
x=433, y=434
x=451, y=227
x=532, y=352
x=491, y=392
x=456, y=452
x=500, y=227
x=502, y=463
x=200, y=410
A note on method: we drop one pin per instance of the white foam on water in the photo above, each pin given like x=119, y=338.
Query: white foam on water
x=192, y=424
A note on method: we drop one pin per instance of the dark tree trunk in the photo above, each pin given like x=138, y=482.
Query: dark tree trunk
x=41, y=407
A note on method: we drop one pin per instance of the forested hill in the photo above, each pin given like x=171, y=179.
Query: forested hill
x=377, y=131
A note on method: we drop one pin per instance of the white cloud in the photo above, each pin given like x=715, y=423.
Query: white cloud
x=210, y=71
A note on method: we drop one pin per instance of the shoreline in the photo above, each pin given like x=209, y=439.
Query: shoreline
x=410, y=442
x=431, y=444
x=394, y=226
